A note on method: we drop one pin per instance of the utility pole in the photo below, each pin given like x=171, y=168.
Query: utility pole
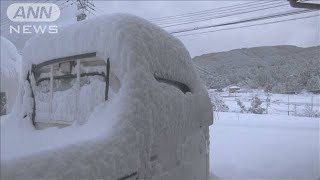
x=312, y=103
x=268, y=102
x=288, y=106
x=82, y=9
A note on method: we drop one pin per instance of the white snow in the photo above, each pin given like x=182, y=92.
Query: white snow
x=144, y=119
x=64, y=102
x=234, y=87
x=267, y=146
x=248, y=146
x=10, y=72
x=10, y=59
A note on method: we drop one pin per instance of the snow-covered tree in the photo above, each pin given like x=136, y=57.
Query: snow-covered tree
x=256, y=106
x=308, y=111
x=218, y=103
x=278, y=69
x=242, y=107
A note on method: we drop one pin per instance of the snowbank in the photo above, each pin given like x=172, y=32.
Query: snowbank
x=10, y=72
x=10, y=59
x=148, y=127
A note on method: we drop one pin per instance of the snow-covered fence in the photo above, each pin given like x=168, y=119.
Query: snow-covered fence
x=305, y=104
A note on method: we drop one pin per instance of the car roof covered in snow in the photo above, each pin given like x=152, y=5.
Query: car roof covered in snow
x=138, y=52
x=128, y=41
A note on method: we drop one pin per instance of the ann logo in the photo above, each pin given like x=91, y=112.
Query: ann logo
x=39, y=12
x=33, y=12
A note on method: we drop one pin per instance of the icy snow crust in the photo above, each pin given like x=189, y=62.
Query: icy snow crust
x=147, y=127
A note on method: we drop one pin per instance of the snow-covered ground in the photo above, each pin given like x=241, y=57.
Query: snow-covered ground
x=247, y=146
x=278, y=102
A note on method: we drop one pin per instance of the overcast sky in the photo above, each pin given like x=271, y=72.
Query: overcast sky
x=302, y=33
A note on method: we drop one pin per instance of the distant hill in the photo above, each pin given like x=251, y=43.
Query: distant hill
x=274, y=68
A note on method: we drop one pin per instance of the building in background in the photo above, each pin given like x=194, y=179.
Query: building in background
x=233, y=90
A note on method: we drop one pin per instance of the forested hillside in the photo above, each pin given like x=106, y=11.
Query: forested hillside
x=276, y=68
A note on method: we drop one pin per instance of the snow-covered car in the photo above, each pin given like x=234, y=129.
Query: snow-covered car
x=114, y=97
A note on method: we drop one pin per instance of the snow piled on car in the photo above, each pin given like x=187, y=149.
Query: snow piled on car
x=144, y=120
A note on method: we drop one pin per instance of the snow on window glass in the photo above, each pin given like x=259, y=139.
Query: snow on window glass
x=61, y=87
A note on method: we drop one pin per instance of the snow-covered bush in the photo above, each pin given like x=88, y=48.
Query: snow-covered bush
x=308, y=111
x=241, y=105
x=218, y=103
x=256, y=106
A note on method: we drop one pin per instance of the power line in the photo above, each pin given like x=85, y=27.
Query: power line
x=222, y=13
x=91, y=11
x=64, y=2
x=198, y=12
x=65, y=6
x=91, y=8
x=252, y=25
x=205, y=12
x=217, y=12
x=275, y=15
x=84, y=6
x=225, y=15
x=96, y=8
x=205, y=71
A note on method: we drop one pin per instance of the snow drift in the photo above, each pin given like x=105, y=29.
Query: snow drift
x=148, y=129
x=10, y=59
x=10, y=72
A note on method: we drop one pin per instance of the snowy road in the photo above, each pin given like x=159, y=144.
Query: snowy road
x=263, y=146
